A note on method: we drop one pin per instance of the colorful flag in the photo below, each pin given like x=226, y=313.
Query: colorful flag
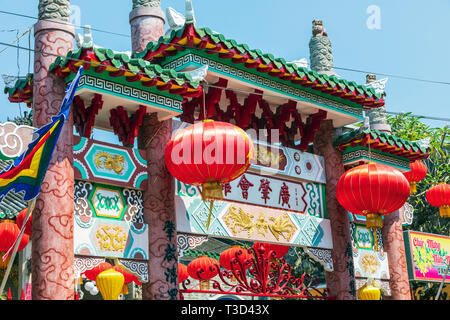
x=28, y=170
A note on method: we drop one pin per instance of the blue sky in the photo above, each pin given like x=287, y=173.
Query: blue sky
x=412, y=39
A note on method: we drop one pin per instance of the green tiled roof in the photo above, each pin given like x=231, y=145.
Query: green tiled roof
x=172, y=40
x=22, y=91
x=383, y=138
x=20, y=84
x=110, y=59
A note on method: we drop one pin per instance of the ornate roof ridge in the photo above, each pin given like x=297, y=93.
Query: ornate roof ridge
x=229, y=48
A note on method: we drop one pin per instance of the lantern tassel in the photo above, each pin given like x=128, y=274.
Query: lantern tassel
x=375, y=239
x=211, y=205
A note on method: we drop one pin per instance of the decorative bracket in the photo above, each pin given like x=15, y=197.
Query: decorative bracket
x=126, y=128
x=84, y=118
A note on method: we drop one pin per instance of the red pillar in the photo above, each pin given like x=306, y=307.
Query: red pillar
x=147, y=24
x=52, y=246
x=340, y=282
x=394, y=246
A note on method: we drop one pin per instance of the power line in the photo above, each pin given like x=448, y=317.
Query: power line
x=65, y=23
x=205, y=84
x=205, y=49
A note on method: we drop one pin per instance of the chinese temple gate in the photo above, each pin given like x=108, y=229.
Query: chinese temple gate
x=119, y=203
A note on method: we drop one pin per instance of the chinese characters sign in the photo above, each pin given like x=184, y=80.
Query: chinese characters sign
x=301, y=197
x=427, y=256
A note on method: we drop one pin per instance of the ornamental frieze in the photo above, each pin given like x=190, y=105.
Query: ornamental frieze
x=252, y=223
x=109, y=164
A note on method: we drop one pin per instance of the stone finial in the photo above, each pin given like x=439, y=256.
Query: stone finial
x=320, y=49
x=85, y=40
x=377, y=116
x=146, y=3
x=371, y=78
x=54, y=9
x=175, y=19
x=318, y=29
x=190, y=16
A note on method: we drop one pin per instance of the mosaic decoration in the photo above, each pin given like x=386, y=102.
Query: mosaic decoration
x=109, y=221
x=323, y=256
x=138, y=268
x=82, y=264
x=368, y=262
x=14, y=139
x=100, y=201
x=186, y=242
x=254, y=223
x=110, y=164
x=110, y=238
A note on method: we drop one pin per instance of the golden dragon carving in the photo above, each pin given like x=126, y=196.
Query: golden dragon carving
x=104, y=160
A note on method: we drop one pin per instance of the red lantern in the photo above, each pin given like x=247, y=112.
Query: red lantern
x=209, y=154
x=439, y=196
x=372, y=190
x=278, y=249
x=203, y=269
x=94, y=272
x=9, y=231
x=21, y=217
x=418, y=173
x=235, y=257
x=182, y=273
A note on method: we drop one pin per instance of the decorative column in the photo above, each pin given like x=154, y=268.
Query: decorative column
x=52, y=246
x=159, y=212
x=340, y=282
x=320, y=49
x=392, y=232
x=147, y=23
x=377, y=116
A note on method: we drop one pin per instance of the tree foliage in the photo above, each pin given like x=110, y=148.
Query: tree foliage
x=426, y=217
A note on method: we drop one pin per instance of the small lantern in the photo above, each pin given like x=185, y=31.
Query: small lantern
x=236, y=259
x=110, y=283
x=203, y=269
x=439, y=196
x=182, y=273
x=369, y=291
x=9, y=231
x=21, y=217
x=418, y=173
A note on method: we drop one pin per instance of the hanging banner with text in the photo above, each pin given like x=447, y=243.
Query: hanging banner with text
x=427, y=256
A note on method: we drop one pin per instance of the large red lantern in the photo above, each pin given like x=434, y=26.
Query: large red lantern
x=9, y=231
x=418, y=173
x=235, y=257
x=21, y=217
x=439, y=196
x=372, y=190
x=182, y=272
x=209, y=154
x=203, y=269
